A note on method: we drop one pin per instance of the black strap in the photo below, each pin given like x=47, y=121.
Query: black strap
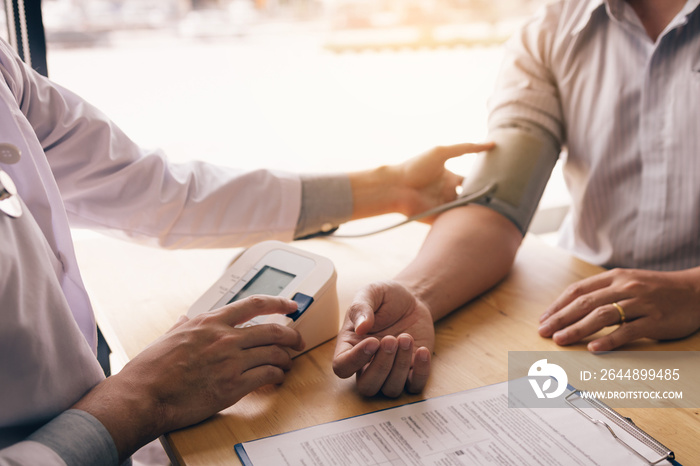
x=103, y=352
x=25, y=28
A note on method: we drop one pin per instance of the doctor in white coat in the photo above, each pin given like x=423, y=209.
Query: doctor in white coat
x=64, y=164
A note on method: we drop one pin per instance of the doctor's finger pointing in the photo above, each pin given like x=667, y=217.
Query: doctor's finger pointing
x=242, y=311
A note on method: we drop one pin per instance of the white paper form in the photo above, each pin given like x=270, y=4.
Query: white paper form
x=466, y=428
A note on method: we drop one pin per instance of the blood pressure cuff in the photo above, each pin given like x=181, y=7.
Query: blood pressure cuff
x=520, y=166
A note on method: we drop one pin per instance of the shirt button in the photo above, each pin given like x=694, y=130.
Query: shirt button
x=9, y=153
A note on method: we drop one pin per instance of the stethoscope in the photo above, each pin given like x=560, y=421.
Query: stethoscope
x=9, y=200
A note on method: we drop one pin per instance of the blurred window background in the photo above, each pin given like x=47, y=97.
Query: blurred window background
x=303, y=85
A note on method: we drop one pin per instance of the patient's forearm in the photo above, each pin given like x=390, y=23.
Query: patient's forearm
x=467, y=251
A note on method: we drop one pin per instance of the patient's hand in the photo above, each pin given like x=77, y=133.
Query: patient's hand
x=387, y=339
x=658, y=305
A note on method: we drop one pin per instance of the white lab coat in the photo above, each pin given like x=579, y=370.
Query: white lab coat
x=78, y=169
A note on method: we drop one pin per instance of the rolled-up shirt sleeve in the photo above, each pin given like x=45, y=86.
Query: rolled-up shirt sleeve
x=526, y=99
x=526, y=94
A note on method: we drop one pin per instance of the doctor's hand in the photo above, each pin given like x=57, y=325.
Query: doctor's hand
x=658, y=305
x=199, y=367
x=412, y=187
x=386, y=340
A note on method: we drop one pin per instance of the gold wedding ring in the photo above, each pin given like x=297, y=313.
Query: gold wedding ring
x=621, y=311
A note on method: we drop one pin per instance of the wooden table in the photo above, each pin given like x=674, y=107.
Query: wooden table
x=139, y=292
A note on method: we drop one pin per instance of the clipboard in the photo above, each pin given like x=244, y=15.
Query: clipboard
x=625, y=423
x=313, y=445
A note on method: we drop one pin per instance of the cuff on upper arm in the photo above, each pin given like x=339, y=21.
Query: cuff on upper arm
x=326, y=202
x=519, y=168
x=78, y=438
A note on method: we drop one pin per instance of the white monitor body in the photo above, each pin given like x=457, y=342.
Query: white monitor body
x=278, y=269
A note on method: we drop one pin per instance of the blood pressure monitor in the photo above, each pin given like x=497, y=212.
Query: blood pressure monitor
x=278, y=269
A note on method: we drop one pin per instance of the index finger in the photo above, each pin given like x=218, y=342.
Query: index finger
x=362, y=309
x=242, y=311
x=349, y=359
x=449, y=152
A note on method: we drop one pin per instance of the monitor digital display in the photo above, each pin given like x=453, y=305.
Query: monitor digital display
x=268, y=281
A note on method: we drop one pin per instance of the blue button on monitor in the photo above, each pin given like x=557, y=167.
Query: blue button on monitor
x=303, y=301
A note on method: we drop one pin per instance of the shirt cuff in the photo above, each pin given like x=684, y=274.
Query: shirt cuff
x=326, y=202
x=78, y=438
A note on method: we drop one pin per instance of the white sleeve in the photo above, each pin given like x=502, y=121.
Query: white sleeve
x=108, y=182
x=29, y=453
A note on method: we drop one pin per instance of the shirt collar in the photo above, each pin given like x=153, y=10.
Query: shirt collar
x=616, y=10
x=682, y=17
x=585, y=18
